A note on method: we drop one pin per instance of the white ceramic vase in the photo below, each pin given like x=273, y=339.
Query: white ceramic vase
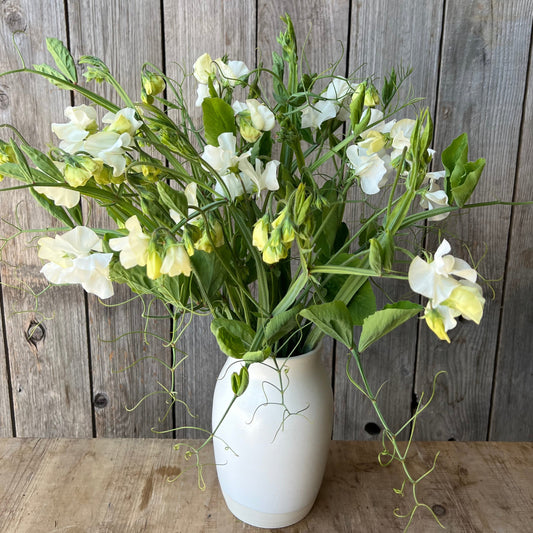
x=271, y=448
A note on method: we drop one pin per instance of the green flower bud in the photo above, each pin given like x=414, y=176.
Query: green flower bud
x=152, y=83
x=260, y=233
x=153, y=262
x=83, y=169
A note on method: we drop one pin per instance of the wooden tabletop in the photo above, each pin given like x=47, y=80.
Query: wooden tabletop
x=122, y=485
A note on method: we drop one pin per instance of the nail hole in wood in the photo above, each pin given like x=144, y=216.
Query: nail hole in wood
x=101, y=400
x=372, y=428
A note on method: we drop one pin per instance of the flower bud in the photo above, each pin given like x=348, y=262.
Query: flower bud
x=153, y=262
x=152, y=83
x=435, y=323
x=82, y=171
x=248, y=132
x=260, y=233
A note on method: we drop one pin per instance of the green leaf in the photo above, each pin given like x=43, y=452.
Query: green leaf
x=218, y=118
x=233, y=336
x=382, y=322
x=463, y=188
x=362, y=304
x=209, y=270
x=43, y=162
x=63, y=59
x=281, y=324
x=46, y=69
x=55, y=210
x=333, y=319
x=461, y=175
x=172, y=198
x=135, y=277
x=374, y=256
x=257, y=356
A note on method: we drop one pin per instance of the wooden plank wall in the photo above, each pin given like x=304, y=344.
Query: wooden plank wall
x=59, y=374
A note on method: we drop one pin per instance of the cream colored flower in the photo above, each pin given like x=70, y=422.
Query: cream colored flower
x=134, y=247
x=72, y=259
x=176, y=261
x=72, y=134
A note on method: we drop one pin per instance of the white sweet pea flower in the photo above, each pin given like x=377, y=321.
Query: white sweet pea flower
x=401, y=136
x=203, y=68
x=232, y=186
x=72, y=260
x=435, y=280
x=370, y=169
x=448, y=296
x=238, y=68
x=328, y=107
x=109, y=146
x=134, y=247
x=72, y=134
x=60, y=195
x=262, y=178
x=223, y=157
x=262, y=118
x=176, y=261
x=434, y=197
x=313, y=116
x=122, y=121
x=202, y=92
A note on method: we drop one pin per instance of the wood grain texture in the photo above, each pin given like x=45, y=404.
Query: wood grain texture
x=374, y=49
x=116, y=332
x=50, y=383
x=117, y=485
x=6, y=426
x=484, y=45
x=513, y=394
x=191, y=29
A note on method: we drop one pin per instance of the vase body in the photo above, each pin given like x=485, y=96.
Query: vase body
x=271, y=448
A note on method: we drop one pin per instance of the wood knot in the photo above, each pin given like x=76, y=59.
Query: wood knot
x=100, y=400
x=4, y=98
x=439, y=510
x=35, y=333
x=14, y=19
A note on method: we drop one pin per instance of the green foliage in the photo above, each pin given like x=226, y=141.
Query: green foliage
x=218, y=118
x=332, y=318
x=378, y=324
x=461, y=176
x=64, y=61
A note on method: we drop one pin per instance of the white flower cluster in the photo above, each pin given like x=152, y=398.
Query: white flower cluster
x=448, y=296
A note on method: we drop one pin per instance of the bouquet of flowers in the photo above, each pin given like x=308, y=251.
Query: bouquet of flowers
x=243, y=216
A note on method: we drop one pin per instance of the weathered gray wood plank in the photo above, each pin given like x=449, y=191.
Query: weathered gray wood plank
x=191, y=29
x=378, y=49
x=124, y=35
x=51, y=393
x=511, y=417
x=485, y=45
x=6, y=426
